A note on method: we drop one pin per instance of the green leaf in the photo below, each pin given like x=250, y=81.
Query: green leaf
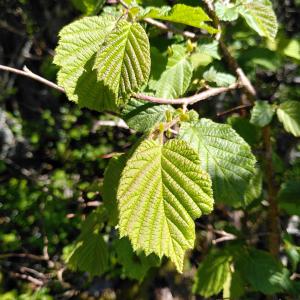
x=123, y=61
x=112, y=177
x=90, y=255
x=181, y=13
x=254, y=188
x=250, y=133
x=234, y=287
x=162, y=190
x=262, y=113
x=224, y=155
x=261, y=270
x=143, y=116
x=212, y=274
x=88, y=7
x=226, y=11
x=288, y=114
x=292, y=49
x=75, y=53
x=135, y=265
x=260, y=16
x=209, y=47
x=289, y=197
x=220, y=79
x=176, y=79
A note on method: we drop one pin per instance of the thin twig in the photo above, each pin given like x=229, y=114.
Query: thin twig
x=28, y=277
x=22, y=255
x=234, y=109
x=27, y=73
x=188, y=100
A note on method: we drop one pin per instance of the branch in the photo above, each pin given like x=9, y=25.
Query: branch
x=188, y=100
x=234, y=109
x=27, y=73
x=185, y=101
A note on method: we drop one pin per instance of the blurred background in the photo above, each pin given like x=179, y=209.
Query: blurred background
x=53, y=154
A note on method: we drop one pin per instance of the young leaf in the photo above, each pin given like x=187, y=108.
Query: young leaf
x=262, y=114
x=162, y=190
x=78, y=44
x=224, y=155
x=260, y=16
x=288, y=114
x=261, y=270
x=123, y=61
x=176, y=79
x=226, y=11
x=212, y=274
x=90, y=255
x=181, y=13
x=220, y=79
x=142, y=116
x=135, y=265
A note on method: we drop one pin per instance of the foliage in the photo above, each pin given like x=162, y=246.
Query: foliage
x=193, y=190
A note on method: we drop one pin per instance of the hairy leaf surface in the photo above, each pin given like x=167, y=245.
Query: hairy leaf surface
x=142, y=116
x=260, y=16
x=262, y=114
x=224, y=155
x=176, y=79
x=123, y=61
x=162, y=191
x=75, y=53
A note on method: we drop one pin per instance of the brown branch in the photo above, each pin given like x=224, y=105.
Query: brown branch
x=273, y=211
x=188, y=100
x=22, y=255
x=27, y=73
x=27, y=277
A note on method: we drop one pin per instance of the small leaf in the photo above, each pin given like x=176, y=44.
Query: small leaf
x=75, y=53
x=226, y=11
x=289, y=197
x=260, y=16
x=209, y=47
x=181, y=13
x=212, y=274
x=123, y=61
x=162, y=191
x=289, y=115
x=262, y=114
x=143, y=116
x=292, y=49
x=176, y=79
x=220, y=79
x=224, y=155
x=90, y=255
x=135, y=265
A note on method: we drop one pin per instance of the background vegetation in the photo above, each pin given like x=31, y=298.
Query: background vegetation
x=53, y=156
